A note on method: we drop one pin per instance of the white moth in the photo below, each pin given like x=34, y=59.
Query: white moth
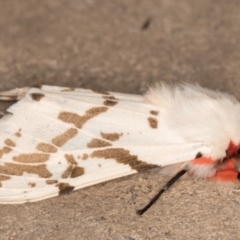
x=57, y=139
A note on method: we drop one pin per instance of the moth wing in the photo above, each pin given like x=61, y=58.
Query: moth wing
x=54, y=141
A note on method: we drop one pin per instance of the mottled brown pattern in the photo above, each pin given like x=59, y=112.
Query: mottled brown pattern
x=111, y=136
x=155, y=113
x=85, y=156
x=64, y=188
x=153, y=122
x=19, y=169
x=10, y=142
x=5, y=150
x=32, y=184
x=61, y=139
x=123, y=156
x=47, y=148
x=70, y=159
x=50, y=181
x=37, y=96
x=78, y=120
x=72, y=170
x=31, y=158
x=3, y=178
x=97, y=143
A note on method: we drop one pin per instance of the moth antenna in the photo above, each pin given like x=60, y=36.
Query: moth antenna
x=162, y=190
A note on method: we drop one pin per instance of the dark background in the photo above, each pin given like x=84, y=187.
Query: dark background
x=102, y=44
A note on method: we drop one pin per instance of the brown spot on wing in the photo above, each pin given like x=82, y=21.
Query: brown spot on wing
x=19, y=169
x=110, y=103
x=123, y=156
x=31, y=158
x=153, y=122
x=5, y=150
x=50, y=181
x=155, y=113
x=70, y=159
x=97, y=143
x=85, y=156
x=3, y=178
x=111, y=136
x=10, y=142
x=61, y=139
x=37, y=96
x=64, y=188
x=110, y=100
x=32, y=184
x=76, y=172
x=18, y=134
x=47, y=148
x=78, y=120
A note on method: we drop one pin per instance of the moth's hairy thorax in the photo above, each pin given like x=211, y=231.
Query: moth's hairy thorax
x=198, y=114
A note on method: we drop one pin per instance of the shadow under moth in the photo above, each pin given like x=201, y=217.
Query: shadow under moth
x=55, y=139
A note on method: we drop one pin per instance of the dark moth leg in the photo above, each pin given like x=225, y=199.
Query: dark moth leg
x=162, y=190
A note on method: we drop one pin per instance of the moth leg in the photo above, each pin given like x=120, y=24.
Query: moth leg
x=13, y=94
x=162, y=190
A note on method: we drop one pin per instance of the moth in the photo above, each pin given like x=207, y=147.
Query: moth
x=55, y=139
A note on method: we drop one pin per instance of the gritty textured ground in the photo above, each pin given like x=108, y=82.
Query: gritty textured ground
x=105, y=45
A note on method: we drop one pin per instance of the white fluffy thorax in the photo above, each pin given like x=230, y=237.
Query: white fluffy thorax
x=199, y=114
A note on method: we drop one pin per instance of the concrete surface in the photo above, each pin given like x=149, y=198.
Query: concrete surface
x=105, y=45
